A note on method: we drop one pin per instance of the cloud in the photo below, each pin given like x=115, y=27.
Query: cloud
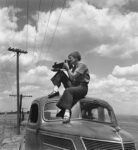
x=27, y=59
x=100, y=31
x=108, y=3
x=93, y=31
x=37, y=76
x=110, y=82
x=5, y=58
x=8, y=18
x=119, y=34
x=117, y=91
x=29, y=88
x=124, y=71
x=8, y=21
x=112, y=86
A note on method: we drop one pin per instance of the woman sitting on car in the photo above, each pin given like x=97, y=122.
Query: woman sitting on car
x=76, y=85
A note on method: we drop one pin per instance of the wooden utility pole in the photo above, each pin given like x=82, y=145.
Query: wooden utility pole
x=18, y=52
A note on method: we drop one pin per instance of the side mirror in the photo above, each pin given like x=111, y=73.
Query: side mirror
x=116, y=129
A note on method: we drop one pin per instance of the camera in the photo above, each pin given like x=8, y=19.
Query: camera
x=59, y=66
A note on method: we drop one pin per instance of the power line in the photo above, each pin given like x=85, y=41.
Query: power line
x=6, y=3
x=27, y=11
x=35, y=40
x=52, y=4
x=35, y=37
x=13, y=37
x=14, y=95
x=39, y=8
x=5, y=78
x=57, y=24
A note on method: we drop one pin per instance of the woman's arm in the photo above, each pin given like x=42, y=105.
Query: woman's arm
x=72, y=75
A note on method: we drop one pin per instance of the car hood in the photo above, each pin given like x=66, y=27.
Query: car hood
x=88, y=129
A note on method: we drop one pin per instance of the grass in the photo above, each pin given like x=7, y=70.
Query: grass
x=8, y=124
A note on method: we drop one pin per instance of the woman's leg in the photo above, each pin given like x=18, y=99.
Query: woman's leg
x=57, y=79
x=71, y=95
x=69, y=98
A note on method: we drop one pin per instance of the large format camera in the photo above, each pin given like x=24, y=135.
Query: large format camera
x=59, y=66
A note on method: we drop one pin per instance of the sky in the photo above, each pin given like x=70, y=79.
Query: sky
x=105, y=32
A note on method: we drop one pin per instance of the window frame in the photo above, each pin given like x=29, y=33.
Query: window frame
x=43, y=115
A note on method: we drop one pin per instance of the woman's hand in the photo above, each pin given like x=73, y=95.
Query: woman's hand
x=66, y=66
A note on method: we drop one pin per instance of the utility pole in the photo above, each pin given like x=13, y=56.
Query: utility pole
x=18, y=52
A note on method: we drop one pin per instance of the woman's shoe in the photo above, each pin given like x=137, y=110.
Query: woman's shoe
x=67, y=116
x=61, y=113
x=53, y=94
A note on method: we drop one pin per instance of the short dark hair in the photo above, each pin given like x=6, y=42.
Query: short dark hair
x=75, y=54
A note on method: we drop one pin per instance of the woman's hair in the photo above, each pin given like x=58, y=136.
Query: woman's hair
x=75, y=54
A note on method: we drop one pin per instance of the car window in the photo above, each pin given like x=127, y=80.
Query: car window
x=33, y=116
x=50, y=111
x=96, y=113
x=107, y=115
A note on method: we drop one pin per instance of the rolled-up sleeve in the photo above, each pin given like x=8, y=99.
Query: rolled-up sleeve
x=81, y=68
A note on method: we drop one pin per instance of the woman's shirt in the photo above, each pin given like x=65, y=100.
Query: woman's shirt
x=82, y=73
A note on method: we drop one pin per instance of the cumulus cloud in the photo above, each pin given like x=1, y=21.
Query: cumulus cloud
x=124, y=71
x=110, y=82
x=119, y=92
x=39, y=75
x=107, y=34
x=29, y=88
x=108, y=3
x=5, y=58
x=8, y=21
x=93, y=30
x=28, y=59
x=120, y=36
x=8, y=18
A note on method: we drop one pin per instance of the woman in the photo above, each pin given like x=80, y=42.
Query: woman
x=76, y=85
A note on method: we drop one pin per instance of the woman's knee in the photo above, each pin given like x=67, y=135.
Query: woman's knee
x=67, y=90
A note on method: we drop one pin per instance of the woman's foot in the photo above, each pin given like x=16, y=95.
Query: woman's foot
x=53, y=94
x=67, y=116
x=60, y=113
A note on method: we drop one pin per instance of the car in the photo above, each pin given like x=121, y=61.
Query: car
x=93, y=126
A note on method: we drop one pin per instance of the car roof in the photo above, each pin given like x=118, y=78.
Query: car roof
x=93, y=100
